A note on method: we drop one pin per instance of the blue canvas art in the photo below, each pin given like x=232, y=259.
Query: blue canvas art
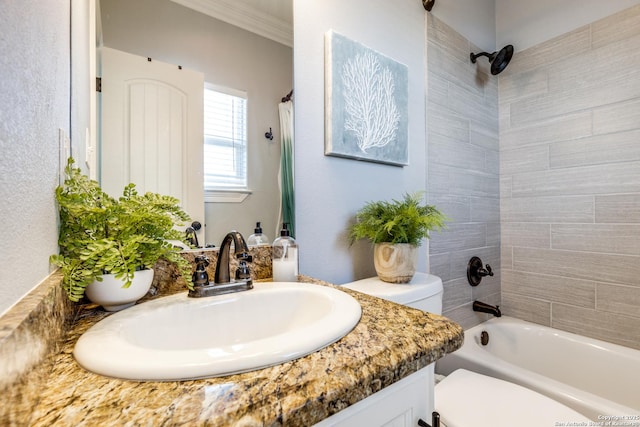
x=366, y=105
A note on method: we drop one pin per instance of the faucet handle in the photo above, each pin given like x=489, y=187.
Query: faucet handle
x=200, y=276
x=487, y=271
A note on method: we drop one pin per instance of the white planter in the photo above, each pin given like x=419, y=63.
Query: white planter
x=113, y=297
x=395, y=263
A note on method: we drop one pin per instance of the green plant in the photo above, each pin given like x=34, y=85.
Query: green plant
x=101, y=235
x=398, y=221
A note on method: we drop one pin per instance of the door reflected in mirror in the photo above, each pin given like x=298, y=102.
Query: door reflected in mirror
x=228, y=57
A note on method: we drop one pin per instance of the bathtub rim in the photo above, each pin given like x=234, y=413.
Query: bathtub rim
x=473, y=357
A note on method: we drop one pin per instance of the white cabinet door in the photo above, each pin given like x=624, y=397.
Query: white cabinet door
x=152, y=131
x=401, y=404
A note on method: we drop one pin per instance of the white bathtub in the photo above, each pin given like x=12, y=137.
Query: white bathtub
x=593, y=377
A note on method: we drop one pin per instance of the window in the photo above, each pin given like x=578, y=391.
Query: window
x=225, y=140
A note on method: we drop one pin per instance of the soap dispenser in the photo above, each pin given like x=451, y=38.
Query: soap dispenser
x=285, y=257
x=257, y=238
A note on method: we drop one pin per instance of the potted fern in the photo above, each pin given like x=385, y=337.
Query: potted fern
x=396, y=228
x=106, y=241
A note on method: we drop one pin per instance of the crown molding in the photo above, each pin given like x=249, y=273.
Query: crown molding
x=244, y=16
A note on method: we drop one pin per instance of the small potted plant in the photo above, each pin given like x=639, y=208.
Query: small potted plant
x=106, y=241
x=396, y=228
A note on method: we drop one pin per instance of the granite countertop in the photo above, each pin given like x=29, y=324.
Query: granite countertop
x=389, y=343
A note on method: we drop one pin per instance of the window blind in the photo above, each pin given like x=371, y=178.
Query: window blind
x=225, y=140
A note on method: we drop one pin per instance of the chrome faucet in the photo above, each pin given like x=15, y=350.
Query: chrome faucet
x=222, y=283
x=487, y=308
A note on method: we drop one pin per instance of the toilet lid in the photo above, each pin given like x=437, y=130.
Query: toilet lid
x=468, y=399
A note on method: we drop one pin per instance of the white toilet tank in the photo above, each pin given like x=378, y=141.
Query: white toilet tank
x=423, y=292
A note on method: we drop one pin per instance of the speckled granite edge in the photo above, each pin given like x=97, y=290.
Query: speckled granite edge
x=30, y=331
x=389, y=343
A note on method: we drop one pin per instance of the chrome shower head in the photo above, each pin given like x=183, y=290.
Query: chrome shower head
x=499, y=60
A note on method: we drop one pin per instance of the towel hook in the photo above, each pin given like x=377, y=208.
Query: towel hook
x=269, y=135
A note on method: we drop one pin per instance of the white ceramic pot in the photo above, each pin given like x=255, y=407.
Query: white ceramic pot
x=395, y=263
x=110, y=294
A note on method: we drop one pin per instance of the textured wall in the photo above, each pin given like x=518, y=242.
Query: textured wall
x=570, y=181
x=34, y=90
x=463, y=181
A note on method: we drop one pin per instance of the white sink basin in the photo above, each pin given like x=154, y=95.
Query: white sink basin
x=178, y=338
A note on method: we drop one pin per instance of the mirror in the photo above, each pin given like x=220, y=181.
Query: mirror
x=228, y=56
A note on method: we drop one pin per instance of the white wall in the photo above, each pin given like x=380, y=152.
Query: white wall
x=525, y=23
x=34, y=90
x=330, y=190
x=474, y=19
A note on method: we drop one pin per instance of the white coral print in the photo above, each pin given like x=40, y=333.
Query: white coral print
x=371, y=111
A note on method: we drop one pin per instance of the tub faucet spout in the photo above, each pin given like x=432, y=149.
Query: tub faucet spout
x=483, y=307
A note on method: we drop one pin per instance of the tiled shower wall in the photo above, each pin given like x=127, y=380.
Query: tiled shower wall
x=463, y=169
x=570, y=181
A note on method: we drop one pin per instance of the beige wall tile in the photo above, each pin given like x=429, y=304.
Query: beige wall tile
x=523, y=234
x=620, y=26
x=456, y=293
x=522, y=85
x=458, y=236
x=581, y=102
x=618, y=208
x=506, y=257
x=598, y=179
x=615, y=328
x=445, y=179
x=525, y=308
x=621, y=239
x=456, y=208
x=488, y=288
x=483, y=136
x=617, y=117
x=448, y=39
x=528, y=159
x=572, y=100
x=563, y=128
x=559, y=48
x=547, y=209
x=465, y=316
x=596, y=150
x=443, y=122
x=623, y=269
x=597, y=68
x=440, y=265
x=485, y=209
x=463, y=168
x=447, y=66
x=618, y=299
x=449, y=152
x=505, y=188
x=549, y=288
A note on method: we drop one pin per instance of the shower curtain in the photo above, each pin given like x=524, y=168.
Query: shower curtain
x=285, y=176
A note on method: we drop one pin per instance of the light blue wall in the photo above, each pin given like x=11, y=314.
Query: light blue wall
x=330, y=190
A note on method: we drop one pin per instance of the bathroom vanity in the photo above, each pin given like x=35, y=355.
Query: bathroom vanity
x=384, y=360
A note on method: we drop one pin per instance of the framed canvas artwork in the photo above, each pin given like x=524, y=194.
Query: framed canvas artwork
x=366, y=103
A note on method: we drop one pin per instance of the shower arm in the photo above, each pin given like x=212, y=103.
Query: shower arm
x=474, y=56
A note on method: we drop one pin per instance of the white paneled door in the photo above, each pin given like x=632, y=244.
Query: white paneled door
x=152, y=131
